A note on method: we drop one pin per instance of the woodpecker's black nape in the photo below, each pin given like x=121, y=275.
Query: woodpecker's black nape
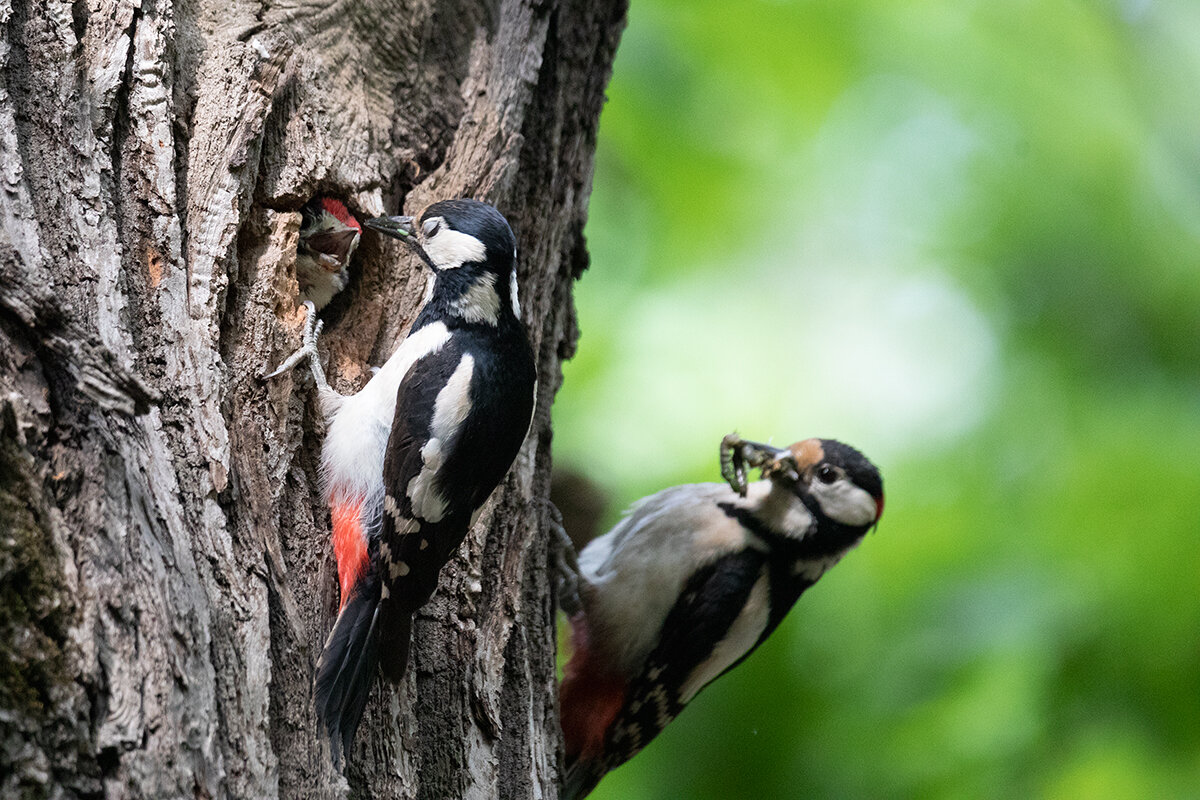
x=857, y=466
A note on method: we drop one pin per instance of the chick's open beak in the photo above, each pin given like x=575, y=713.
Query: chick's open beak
x=396, y=227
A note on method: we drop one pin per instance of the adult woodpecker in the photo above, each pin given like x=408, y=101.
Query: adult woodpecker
x=692, y=580
x=328, y=236
x=409, y=460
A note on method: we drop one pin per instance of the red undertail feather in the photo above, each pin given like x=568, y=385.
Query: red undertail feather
x=349, y=544
x=590, y=697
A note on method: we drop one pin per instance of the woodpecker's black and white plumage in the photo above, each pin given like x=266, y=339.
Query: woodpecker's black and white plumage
x=329, y=234
x=692, y=580
x=409, y=460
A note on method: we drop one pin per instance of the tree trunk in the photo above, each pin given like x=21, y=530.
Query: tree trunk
x=166, y=579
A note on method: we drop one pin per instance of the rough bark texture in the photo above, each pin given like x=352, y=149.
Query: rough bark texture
x=166, y=581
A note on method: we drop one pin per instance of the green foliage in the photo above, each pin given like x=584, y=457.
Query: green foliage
x=964, y=237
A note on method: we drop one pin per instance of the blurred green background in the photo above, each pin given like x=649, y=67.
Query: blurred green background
x=964, y=237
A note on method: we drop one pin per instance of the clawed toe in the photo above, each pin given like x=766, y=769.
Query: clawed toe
x=312, y=330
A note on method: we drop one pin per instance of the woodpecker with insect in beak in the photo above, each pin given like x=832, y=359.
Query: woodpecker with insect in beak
x=692, y=580
x=410, y=459
x=329, y=233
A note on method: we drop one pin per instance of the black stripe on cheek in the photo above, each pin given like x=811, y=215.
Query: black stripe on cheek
x=829, y=538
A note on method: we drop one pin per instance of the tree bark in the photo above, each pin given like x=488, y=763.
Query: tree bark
x=166, y=579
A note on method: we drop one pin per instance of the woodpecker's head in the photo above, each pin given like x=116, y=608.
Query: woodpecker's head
x=844, y=485
x=329, y=234
x=471, y=249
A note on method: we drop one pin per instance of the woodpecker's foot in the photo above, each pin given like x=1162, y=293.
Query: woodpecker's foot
x=566, y=563
x=738, y=455
x=312, y=330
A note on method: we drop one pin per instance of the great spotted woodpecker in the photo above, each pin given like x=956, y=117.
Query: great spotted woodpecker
x=692, y=580
x=409, y=460
x=329, y=233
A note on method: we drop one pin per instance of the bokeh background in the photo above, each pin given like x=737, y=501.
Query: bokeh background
x=965, y=237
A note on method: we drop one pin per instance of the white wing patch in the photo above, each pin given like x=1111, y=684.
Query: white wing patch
x=451, y=407
x=740, y=637
x=450, y=249
x=480, y=303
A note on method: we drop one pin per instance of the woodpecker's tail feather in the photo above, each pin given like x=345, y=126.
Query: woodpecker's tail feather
x=580, y=778
x=395, y=628
x=347, y=665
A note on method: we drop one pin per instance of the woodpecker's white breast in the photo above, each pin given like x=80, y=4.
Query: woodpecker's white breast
x=355, y=443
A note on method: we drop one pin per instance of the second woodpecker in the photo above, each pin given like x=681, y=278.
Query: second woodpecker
x=410, y=459
x=692, y=581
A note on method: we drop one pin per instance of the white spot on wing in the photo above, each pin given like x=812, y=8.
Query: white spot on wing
x=451, y=407
x=740, y=637
x=393, y=510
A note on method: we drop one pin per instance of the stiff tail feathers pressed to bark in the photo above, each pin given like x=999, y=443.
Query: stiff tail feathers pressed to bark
x=580, y=778
x=395, y=628
x=347, y=665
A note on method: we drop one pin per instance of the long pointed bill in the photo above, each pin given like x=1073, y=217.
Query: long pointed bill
x=396, y=227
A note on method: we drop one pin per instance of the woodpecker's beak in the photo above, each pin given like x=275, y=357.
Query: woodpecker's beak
x=396, y=227
x=334, y=247
x=738, y=454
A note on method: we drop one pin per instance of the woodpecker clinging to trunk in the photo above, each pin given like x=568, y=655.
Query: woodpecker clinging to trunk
x=409, y=460
x=329, y=233
x=692, y=580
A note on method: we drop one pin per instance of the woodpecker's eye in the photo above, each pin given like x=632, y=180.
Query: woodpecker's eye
x=430, y=226
x=827, y=474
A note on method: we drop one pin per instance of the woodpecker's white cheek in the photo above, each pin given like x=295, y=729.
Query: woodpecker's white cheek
x=449, y=249
x=844, y=502
x=449, y=410
x=480, y=303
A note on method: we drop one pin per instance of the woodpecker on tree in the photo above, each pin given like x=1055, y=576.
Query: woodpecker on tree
x=692, y=580
x=410, y=459
x=329, y=233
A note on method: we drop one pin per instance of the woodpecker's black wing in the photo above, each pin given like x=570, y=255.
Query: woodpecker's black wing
x=461, y=415
x=716, y=621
